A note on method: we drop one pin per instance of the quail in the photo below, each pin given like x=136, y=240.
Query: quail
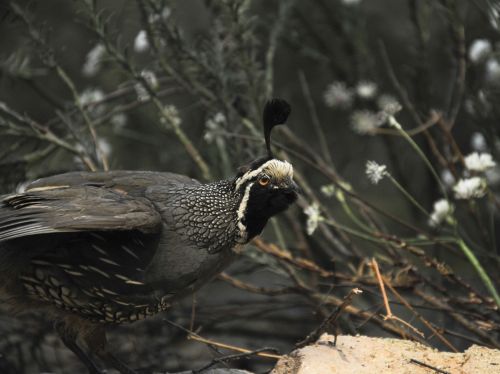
x=94, y=249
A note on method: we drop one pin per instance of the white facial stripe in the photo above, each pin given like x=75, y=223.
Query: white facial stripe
x=273, y=168
x=241, y=213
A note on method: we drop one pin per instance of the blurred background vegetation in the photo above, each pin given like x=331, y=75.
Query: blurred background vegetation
x=179, y=86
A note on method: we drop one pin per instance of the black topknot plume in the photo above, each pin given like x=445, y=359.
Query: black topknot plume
x=275, y=113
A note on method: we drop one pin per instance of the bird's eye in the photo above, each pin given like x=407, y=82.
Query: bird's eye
x=264, y=180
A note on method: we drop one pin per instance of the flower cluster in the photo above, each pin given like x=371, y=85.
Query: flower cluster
x=351, y=2
x=213, y=126
x=328, y=190
x=479, y=162
x=366, y=89
x=150, y=78
x=443, y=210
x=93, y=60
x=163, y=15
x=364, y=122
x=469, y=188
x=91, y=99
x=375, y=172
x=170, y=116
x=141, y=42
x=104, y=147
x=474, y=187
x=313, y=218
x=481, y=51
x=90, y=96
x=388, y=104
x=118, y=121
x=478, y=142
x=338, y=95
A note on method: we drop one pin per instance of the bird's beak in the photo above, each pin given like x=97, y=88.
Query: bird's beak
x=291, y=189
x=295, y=187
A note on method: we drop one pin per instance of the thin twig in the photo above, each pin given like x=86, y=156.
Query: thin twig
x=254, y=289
x=332, y=318
x=389, y=315
x=198, y=338
x=274, y=250
x=234, y=357
x=388, y=311
x=413, y=361
x=421, y=318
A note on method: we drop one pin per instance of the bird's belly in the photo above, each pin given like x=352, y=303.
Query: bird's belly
x=183, y=268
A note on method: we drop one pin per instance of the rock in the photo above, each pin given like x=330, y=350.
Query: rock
x=217, y=371
x=361, y=354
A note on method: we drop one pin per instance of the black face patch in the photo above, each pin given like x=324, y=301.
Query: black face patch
x=263, y=203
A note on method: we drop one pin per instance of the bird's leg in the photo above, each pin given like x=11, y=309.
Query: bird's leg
x=97, y=342
x=69, y=340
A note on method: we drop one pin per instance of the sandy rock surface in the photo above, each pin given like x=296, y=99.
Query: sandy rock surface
x=362, y=354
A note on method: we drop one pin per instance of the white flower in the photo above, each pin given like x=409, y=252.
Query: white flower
x=388, y=104
x=91, y=95
x=351, y=2
x=337, y=95
x=492, y=69
x=442, y=210
x=469, y=106
x=165, y=13
x=470, y=188
x=118, y=121
x=375, y=172
x=365, y=122
x=142, y=94
x=447, y=178
x=150, y=77
x=313, y=218
x=93, y=60
x=479, y=161
x=104, y=146
x=151, y=80
x=478, y=142
x=141, y=43
x=214, y=125
x=171, y=116
x=328, y=190
x=366, y=89
x=91, y=99
x=479, y=50
x=494, y=16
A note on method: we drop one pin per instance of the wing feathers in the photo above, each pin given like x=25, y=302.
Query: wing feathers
x=69, y=209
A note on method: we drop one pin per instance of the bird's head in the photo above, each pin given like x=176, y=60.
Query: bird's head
x=266, y=184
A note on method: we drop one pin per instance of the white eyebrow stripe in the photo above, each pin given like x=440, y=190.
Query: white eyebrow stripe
x=271, y=164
